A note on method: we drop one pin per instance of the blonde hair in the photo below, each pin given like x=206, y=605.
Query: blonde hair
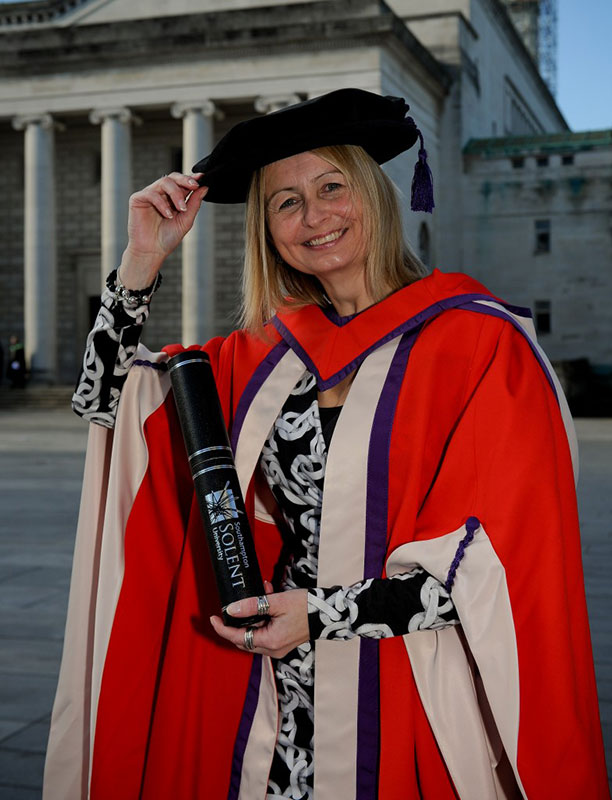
x=270, y=285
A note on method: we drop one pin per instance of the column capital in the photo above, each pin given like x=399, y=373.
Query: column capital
x=206, y=107
x=98, y=115
x=266, y=104
x=45, y=121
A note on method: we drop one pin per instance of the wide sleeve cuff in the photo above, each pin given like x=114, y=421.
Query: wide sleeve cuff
x=379, y=608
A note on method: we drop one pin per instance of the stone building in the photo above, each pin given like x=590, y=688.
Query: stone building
x=538, y=229
x=99, y=97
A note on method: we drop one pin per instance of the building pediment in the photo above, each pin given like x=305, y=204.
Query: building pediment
x=97, y=11
x=41, y=13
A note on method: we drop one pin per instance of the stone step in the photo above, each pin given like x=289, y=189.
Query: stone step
x=36, y=397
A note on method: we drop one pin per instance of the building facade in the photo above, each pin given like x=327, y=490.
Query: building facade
x=100, y=97
x=538, y=229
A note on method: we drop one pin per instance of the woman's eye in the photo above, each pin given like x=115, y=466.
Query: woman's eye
x=331, y=187
x=290, y=201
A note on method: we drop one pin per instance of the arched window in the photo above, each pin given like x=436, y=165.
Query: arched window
x=424, y=244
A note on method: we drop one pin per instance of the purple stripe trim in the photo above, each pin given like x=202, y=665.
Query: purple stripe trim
x=368, y=721
x=159, y=365
x=406, y=326
x=244, y=729
x=378, y=460
x=253, y=386
x=520, y=311
x=333, y=316
x=368, y=714
x=496, y=312
x=297, y=348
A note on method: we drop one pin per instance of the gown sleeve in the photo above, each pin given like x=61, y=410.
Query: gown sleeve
x=379, y=608
x=109, y=353
x=519, y=588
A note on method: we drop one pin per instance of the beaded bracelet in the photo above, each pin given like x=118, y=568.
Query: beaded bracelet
x=133, y=297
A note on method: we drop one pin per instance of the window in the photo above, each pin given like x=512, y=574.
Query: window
x=542, y=161
x=518, y=163
x=567, y=160
x=542, y=236
x=542, y=316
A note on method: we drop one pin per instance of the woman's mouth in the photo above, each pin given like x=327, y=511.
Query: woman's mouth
x=327, y=238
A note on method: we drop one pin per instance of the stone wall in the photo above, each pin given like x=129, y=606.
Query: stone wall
x=156, y=145
x=11, y=251
x=502, y=91
x=514, y=197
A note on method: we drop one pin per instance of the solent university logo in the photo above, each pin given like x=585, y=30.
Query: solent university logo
x=221, y=505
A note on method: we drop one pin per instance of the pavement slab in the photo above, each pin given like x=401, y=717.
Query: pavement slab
x=41, y=464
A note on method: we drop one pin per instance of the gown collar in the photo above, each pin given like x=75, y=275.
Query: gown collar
x=332, y=346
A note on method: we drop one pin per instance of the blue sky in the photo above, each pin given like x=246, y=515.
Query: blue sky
x=584, y=63
x=584, y=71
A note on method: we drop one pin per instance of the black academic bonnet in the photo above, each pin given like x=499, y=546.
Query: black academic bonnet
x=347, y=116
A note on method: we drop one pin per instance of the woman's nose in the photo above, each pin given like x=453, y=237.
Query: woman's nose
x=315, y=210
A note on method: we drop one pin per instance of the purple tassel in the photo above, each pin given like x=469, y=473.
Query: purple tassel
x=471, y=526
x=422, y=183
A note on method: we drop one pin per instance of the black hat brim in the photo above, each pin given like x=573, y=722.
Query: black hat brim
x=348, y=116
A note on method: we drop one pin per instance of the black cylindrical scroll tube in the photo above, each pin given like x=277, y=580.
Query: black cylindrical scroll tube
x=228, y=533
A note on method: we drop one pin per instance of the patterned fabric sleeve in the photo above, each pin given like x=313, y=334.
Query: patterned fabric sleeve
x=378, y=608
x=109, y=353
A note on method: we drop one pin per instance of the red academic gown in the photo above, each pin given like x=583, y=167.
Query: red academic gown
x=451, y=452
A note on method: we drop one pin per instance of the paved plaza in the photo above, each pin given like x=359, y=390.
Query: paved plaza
x=41, y=461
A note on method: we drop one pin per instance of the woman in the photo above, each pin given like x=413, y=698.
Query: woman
x=404, y=436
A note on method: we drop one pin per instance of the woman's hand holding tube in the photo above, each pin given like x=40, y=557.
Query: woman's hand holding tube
x=159, y=217
x=286, y=629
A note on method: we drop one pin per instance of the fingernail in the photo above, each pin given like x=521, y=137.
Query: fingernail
x=183, y=207
x=169, y=214
x=233, y=608
x=193, y=183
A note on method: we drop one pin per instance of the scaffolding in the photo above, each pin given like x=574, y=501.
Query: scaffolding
x=536, y=22
x=547, y=43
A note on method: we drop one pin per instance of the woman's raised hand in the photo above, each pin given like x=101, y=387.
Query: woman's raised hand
x=159, y=217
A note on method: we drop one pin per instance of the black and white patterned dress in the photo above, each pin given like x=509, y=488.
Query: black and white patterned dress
x=293, y=461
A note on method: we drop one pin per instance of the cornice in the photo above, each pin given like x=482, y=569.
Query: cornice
x=545, y=143
x=301, y=27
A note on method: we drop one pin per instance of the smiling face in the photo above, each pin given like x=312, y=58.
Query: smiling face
x=314, y=219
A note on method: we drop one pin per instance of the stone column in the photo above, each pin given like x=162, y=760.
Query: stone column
x=269, y=103
x=198, y=248
x=116, y=182
x=40, y=258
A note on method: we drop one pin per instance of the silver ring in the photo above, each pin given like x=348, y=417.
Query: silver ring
x=263, y=606
x=248, y=639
